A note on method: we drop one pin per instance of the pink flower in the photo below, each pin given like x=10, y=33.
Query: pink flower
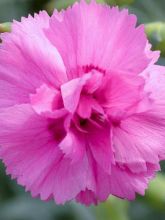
x=82, y=105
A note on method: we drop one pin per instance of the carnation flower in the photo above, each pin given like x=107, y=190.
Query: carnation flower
x=82, y=105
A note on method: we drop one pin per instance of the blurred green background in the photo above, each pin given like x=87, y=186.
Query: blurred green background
x=15, y=204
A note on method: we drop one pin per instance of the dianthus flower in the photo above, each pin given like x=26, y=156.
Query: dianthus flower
x=82, y=104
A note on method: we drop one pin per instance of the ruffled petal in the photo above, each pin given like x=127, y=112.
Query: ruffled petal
x=30, y=151
x=87, y=197
x=99, y=140
x=155, y=84
x=71, y=91
x=121, y=183
x=23, y=133
x=47, y=102
x=73, y=145
x=139, y=140
x=32, y=64
x=125, y=184
x=122, y=95
x=62, y=180
x=83, y=27
x=11, y=93
x=46, y=99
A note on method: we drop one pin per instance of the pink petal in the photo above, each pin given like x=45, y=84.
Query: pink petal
x=85, y=107
x=139, y=140
x=47, y=101
x=155, y=84
x=34, y=158
x=87, y=104
x=71, y=92
x=100, y=144
x=32, y=64
x=94, y=82
x=44, y=99
x=87, y=197
x=83, y=28
x=23, y=137
x=125, y=184
x=122, y=95
x=11, y=93
x=73, y=146
x=63, y=180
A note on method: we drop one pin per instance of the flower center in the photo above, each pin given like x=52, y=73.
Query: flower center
x=94, y=98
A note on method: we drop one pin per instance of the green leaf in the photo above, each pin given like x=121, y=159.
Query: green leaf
x=5, y=27
x=58, y=4
x=62, y=4
x=120, y=2
x=13, y=9
x=148, y=10
x=114, y=208
x=155, y=195
x=156, y=34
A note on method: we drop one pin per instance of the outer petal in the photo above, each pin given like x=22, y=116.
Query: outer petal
x=22, y=133
x=126, y=184
x=121, y=183
x=62, y=180
x=25, y=63
x=155, y=84
x=87, y=197
x=153, y=55
x=29, y=149
x=11, y=93
x=97, y=34
x=138, y=141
